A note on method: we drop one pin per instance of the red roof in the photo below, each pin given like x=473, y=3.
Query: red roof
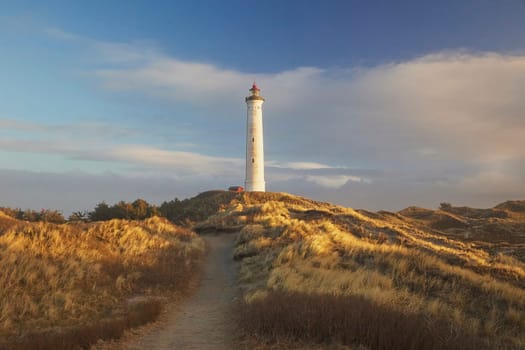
x=254, y=87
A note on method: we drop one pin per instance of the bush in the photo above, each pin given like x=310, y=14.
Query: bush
x=445, y=206
x=137, y=210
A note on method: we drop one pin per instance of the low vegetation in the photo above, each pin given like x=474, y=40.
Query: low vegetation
x=317, y=272
x=193, y=210
x=45, y=215
x=67, y=285
x=183, y=212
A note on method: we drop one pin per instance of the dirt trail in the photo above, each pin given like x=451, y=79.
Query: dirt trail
x=203, y=320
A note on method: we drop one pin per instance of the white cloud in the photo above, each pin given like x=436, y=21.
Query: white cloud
x=458, y=105
x=202, y=83
x=298, y=165
x=334, y=181
x=78, y=130
x=177, y=161
x=143, y=156
x=462, y=105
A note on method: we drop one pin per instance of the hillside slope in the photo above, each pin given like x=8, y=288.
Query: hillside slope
x=303, y=262
x=67, y=285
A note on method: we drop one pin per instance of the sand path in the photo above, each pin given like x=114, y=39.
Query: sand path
x=203, y=320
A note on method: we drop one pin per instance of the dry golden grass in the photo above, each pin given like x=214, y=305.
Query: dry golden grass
x=295, y=245
x=339, y=321
x=70, y=277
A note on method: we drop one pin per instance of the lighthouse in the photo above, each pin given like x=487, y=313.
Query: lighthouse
x=254, y=142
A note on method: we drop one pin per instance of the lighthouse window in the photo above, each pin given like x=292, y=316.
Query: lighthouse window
x=253, y=160
x=253, y=139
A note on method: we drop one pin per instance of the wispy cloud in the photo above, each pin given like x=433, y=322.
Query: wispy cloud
x=334, y=181
x=79, y=129
x=179, y=162
x=298, y=165
x=143, y=157
x=151, y=160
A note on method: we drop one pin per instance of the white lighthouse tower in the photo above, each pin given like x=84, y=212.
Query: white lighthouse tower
x=254, y=142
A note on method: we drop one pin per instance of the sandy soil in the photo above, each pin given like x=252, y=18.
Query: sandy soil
x=203, y=320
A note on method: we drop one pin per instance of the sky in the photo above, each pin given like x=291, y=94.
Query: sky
x=369, y=104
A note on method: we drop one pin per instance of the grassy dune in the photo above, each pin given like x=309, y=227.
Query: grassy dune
x=67, y=285
x=317, y=272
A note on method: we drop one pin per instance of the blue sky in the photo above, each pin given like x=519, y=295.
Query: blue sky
x=370, y=104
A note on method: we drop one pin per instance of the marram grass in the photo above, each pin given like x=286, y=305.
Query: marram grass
x=72, y=277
